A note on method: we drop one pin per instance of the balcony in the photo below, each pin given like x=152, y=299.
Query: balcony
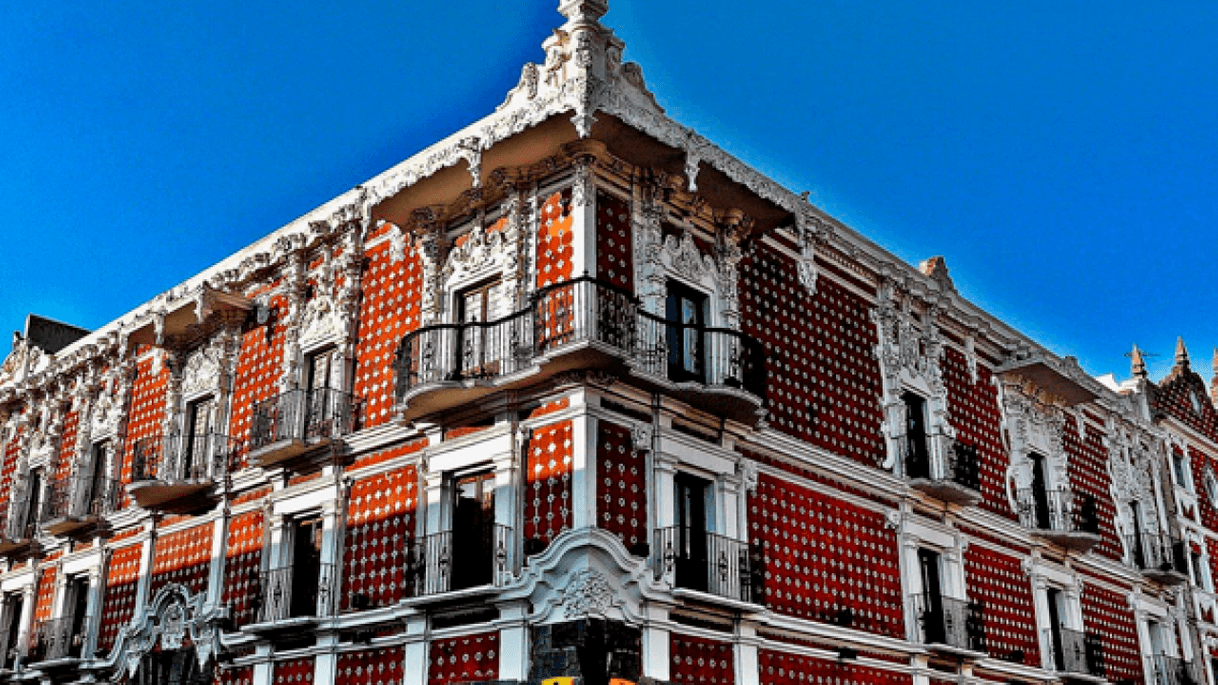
x=1077, y=655
x=951, y=472
x=299, y=421
x=179, y=473
x=949, y=625
x=20, y=524
x=1060, y=518
x=78, y=504
x=443, y=562
x=580, y=325
x=1159, y=558
x=293, y=599
x=1166, y=670
x=58, y=639
x=709, y=563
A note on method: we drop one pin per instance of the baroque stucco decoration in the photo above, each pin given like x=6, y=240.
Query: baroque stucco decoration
x=1134, y=456
x=1034, y=422
x=172, y=615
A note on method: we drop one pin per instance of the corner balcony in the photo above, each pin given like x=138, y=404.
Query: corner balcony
x=952, y=626
x=470, y=562
x=78, y=504
x=299, y=421
x=1077, y=655
x=950, y=473
x=580, y=325
x=1159, y=558
x=180, y=473
x=1056, y=517
x=709, y=563
x=20, y=524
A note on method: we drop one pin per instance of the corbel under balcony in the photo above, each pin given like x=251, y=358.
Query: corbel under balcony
x=182, y=320
x=1062, y=378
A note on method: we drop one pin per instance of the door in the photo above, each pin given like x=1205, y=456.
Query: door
x=34, y=501
x=934, y=623
x=78, y=604
x=917, y=460
x=200, y=428
x=10, y=624
x=479, y=344
x=685, y=314
x=91, y=502
x=323, y=406
x=1136, y=546
x=473, y=532
x=692, y=562
x=306, y=566
x=1053, y=597
x=1040, y=494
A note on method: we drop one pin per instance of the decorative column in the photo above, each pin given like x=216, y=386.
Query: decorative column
x=583, y=460
x=294, y=287
x=583, y=214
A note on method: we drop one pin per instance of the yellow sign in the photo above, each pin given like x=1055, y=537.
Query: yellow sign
x=565, y=680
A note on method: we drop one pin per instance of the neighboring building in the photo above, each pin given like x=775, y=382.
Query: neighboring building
x=575, y=392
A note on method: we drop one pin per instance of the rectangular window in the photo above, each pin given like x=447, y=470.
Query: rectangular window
x=917, y=454
x=1055, y=600
x=932, y=616
x=200, y=426
x=1178, y=469
x=685, y=314
x=479, y=346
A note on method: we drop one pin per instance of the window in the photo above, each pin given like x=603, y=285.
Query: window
x=917, y=454
x=473, y=526
x=694, y=507
x=1180, y=470
x=931, y=609
x=685, y=314
x=1136, y=547
x=325, y=408
x=76, y=615
x=1058, y=611
x=200, y=425
x=1197, y=563
x=478, y=346
x=1040, y=493
x=10, y=627
x=307, y=534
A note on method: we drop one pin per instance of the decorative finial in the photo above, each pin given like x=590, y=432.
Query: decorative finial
x=1181, y=354
x=589, y=10
x=1138, y=367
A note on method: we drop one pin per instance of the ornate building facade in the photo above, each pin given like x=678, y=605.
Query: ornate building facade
x=574, y=392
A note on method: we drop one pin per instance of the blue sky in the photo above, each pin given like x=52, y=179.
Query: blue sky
x=1061, y=155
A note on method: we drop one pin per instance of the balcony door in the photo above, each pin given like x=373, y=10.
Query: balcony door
x=307, y=535
x=933, y=623
x=323, y=379
x=473, y=538
x=200, y=426
x=10, y=627
x=1040, y=493
x=917, y=456
x=685, y=314
x=477, y=345
x=1136, y=547
x=692, y=562
x=76, y=604
x=1056, y=601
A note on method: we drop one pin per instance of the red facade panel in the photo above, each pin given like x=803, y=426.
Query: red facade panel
x=614, y=254
x=237, y=675
x=1088, y=470
x=464, y=659
x=977, y=418
x=45, y=602
x=1108, y=613
x=823, y=385
x=118, y=604
x=780, y=668
x=621, y=485
x=547, y=505
x=12, y=451
x=146, y=417
x=1207, y=508
x=555, y=240
x=697, y=661
x=1173, y=398
x=823, y=555
x=242, y=567
x=293, y=671
x=380, y=526
x=259, y=368
x=998, y=581
x=379, y=667
x=183, y=557
x=67, y=447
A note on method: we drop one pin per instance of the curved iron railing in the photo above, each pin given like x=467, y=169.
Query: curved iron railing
x=582, y=310
x=80, y=497
x=178, y=458
x=304, y=415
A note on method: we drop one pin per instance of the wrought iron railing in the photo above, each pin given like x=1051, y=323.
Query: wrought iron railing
x=582, y=310
x=287, y=593
x=948, y=621
x=19, y=521
x=954, y=462
x=1157, y=552
x=58, y=638
x=459, y=560
x=180, y=458
x=80, y=497
x=1167, y=670
x=304, y=415
x=1057, y=511
x=1074, y=651
x=711, y=563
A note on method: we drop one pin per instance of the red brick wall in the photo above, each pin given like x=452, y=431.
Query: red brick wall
x=614, y=237
x=259, y=367
x=1108, y=613
x=977, y=418
x=183, y=557
x=780, y=668
x=1197, y=462
x=697, y=661
x=823, y=555
x=235, y=675
x=46, y=595
x=555, y=240
x=823, y=385
x=379, y=667
x=380, y=525
x=464, y=659
x=390, y=309
x=998, y=581
x=146, y=417
x=547, y=505
x=621, y=485
x=11, y=452
x=293, y=671
x=243, y=566
x=1088, y=471
x=118, y=604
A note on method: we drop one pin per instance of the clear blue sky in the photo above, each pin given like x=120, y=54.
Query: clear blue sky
x=1061, y=154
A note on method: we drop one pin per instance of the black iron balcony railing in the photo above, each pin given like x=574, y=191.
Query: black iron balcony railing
x=184, y=458
x=80, y=498
x=1158, y=555
x=954, y=464
x=459, y=560
x=304, y=415
x=957, y=623
x=1057, y=511
x=1074, y=651
x=707, y=562
x=1167, y=670
x=582, y=310
x=293, y=592
x=59, y=638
